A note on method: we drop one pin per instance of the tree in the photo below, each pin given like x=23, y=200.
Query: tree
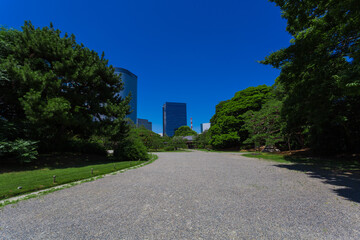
x=320, y=71
x=131, y=148
x=227, y=124
x=203, y=140
x=150, y=139
x=177, y=142
x=265, y=126
x=185, y=131
x=58, y=88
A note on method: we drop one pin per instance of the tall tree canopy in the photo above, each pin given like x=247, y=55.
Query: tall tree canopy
x=185, y=131
x=57, y=87
x=264, y=126
x=320, y=71
x=227, y=129
x=150, y=139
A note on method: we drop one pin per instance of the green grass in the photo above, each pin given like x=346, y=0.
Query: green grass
x=268, y=156
x=70, y=169
x=341, y=164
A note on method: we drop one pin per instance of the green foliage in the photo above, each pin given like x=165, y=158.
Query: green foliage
x=320, y=73
x=227, y=129
x=185, y=131
x=203, y=140
x=131, y=148
x=175, y=143
x=58, y=88
x=19, y=150
x=14, y=148
x=169, y=148
x=77, y=145
x=150, y=139
x=265, y=126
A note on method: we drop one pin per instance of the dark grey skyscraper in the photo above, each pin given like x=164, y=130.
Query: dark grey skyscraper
x=145, y=123
x=130, y=86
x=174, y=116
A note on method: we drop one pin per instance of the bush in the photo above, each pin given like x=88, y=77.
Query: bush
x=150, y=139
x=18, y=150
x=75, y=146
x=91, y=148
x=203, y=140
x=12, y=146
x=208, y=147
x=169, y=148
x=177, y=142
x=131, y=149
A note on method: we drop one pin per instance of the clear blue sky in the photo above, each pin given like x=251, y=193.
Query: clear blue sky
x=195, y=51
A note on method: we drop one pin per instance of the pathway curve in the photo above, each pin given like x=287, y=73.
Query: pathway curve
x=192, y=195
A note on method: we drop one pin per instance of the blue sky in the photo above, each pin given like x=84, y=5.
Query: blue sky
x=199, y=52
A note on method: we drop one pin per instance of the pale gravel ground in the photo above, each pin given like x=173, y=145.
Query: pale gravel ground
x=192, y=195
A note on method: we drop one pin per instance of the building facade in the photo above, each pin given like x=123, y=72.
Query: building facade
x=145, y=123
x=130, y=86
x=174, y=116
x=204, y=127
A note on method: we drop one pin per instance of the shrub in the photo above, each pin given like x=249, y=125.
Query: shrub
x=12, y=146
x=177, y=142
x=169, y=148
x=19, y=150
x=208, y=147
x=76, y=146
x=203, y=140
x=131, y=149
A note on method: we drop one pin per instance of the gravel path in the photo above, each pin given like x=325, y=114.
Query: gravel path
x=194, y=195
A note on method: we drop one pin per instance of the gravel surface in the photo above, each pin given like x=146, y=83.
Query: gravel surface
x=194, y=195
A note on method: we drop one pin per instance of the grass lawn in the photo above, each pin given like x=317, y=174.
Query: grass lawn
x=67, y=168
x=268, y=156
x=341, y=164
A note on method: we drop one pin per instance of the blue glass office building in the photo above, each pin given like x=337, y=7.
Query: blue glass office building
x=174, y=116
x=130, y=86
x=145, y=123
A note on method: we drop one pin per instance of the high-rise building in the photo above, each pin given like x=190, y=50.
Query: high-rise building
x=204, y=127
x=145, y=123
x=130, y=86
x=174, y=116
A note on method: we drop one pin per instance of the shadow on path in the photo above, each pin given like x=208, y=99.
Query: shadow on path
x=347, y=182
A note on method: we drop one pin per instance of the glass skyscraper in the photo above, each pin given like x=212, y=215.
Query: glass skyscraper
x=174, y=116
x=145, y=123
x=130, y=86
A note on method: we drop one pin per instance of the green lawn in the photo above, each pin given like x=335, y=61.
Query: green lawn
x=40, y=176
x=268, y=156
x=341, y=164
